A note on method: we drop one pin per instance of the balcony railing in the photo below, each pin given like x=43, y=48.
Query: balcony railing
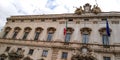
x=63, y=45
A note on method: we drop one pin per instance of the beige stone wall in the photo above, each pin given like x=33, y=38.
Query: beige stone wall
x=94, y=38
x=37, y=54
x=58, y=35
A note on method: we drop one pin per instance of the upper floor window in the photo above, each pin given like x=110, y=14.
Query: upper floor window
x=37, y=32
x=49, y=38
x=67, y=37
x=85, y=38
x=68, y=34
x=51, y=31
x=105, y=37
x=105, y=40
x=6, y=31
x=16, y=30
x=64, y=55
x=106, y=58
x=44, y=53
x=31, y=51
x=26, y=32
x=85, y=34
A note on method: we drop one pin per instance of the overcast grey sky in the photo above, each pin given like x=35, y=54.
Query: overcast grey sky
x=30, y=7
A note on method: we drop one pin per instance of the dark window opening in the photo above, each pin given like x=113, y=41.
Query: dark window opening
x=64, y=55
x=7, y=49
x=37, y=35
x=25, y=35
x=14, y=35
x=5, y=34
x=49, y=38
x=106, y=58
x=105, y=40
x=67, y=37
x=85, y=38
x=44, y=53
x=31, y=51
x=19, y=49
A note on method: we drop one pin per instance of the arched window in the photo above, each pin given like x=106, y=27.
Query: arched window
x=37, y=32
x=26, y=32
x=68, y=34
x=7, y=30
x=16, y=31
x=50, y=32
x=105, y=37
x=85, y=34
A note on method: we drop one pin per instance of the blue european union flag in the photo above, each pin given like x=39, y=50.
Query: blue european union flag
x=107, y=28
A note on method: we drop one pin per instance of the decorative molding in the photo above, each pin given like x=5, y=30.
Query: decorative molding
x=103, y=31
x=39, y=29
x=7, y=29
x=85, y=53
x=51, y=30
x=85, y=30
x=52, y=44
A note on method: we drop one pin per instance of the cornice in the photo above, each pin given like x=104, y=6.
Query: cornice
x=62, y=45
x=66, y=16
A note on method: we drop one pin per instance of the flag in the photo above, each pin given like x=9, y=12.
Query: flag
x=107, y=28
x=65, y=29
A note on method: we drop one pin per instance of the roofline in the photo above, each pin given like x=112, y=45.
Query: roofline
x=67, y=15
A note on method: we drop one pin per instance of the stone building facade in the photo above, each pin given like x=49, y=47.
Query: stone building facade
x=74, y=36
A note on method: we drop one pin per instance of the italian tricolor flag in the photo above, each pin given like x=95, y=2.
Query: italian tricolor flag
x=65, y=29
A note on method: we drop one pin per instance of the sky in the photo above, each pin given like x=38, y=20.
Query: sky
x=37, y=7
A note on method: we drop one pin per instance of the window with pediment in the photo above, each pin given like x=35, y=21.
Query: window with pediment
x=68, y=34
x=16, y=31
x=37, y=32
x=26, y=32
x=6, y=31
x=105, y=37
x=50, y=32
x=85, y=34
